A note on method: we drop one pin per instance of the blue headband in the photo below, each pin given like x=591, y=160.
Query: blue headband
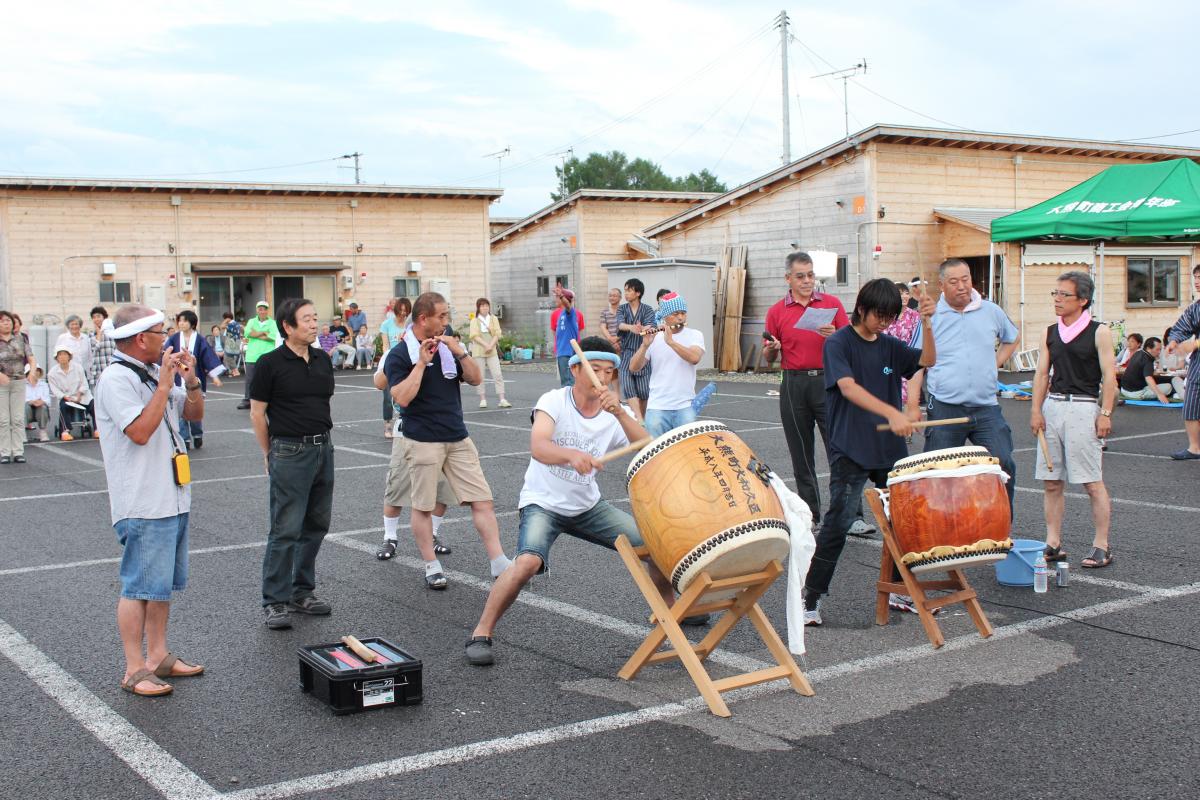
x=596, y=355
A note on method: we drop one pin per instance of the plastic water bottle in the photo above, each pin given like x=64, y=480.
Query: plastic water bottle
x=1040, y=574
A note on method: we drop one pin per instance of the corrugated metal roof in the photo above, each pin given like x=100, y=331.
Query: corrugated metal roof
x=226, y=187
x=977, y=218
x=931, y=137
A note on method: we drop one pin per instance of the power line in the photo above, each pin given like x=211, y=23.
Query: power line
x=728, y=52
x=1161, y=136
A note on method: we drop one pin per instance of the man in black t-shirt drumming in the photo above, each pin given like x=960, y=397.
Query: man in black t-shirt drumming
x=423, y=374
x=863, y=368
x=1137, y=382
x=289, y=408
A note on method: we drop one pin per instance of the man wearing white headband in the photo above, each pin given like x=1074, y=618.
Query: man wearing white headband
x=137, y=402
x=572, y=428
x=673, y=350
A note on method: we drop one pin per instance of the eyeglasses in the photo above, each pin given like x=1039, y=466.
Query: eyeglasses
x=1064, y=295
x=160, y=332
x=804, y=275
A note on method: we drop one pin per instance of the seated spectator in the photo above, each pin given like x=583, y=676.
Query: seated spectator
x=1133, y=343
x=1137, y=382
x=364, y=349
x=326, y=340
x=78, y=345
x=68, y=385
x=343, y=352
x=37, y=406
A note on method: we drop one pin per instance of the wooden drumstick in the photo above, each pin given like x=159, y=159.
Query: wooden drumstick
x=612, y=455
x=587, y=365
x=361, y=650
x=1045, y=450
x=929, y=423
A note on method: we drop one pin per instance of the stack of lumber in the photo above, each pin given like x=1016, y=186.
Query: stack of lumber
x=731, y=288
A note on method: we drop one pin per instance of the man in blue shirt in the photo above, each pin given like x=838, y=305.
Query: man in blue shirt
x=863, y=368
x=355, y=318
x=566, y=330
x=963, y=382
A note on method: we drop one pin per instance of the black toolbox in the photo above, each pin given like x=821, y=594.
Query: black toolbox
x=334, y=674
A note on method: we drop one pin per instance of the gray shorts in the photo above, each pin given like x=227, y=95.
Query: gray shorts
x=1071, y=438
x=399, y=480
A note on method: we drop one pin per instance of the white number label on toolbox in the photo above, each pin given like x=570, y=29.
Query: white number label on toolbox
x=378, y=693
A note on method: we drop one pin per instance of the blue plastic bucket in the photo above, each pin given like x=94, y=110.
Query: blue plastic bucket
x=1017, y=568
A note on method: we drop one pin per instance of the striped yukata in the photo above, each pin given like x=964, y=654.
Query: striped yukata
x=633, y=384
x=1185, y=328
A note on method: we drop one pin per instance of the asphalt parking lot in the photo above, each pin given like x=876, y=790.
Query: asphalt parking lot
x=1085, y=691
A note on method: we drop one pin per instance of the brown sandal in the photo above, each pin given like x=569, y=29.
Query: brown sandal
x=144, y=676
x=1099, y=558
x=166, y=667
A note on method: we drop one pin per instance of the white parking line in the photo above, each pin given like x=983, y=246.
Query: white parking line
x=62, y=451
x=577, y=730
x=144, y=756
x=1117, y=500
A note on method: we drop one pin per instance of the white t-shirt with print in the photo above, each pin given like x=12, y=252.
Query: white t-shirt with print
x=558, y=487
x=672, y=380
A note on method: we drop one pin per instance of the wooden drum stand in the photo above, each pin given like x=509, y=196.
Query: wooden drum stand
x=742, y=604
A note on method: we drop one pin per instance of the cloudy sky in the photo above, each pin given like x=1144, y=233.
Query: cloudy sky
x=275, y=91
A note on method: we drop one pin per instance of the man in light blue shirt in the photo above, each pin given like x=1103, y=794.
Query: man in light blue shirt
x=355, y=318
x=963, y=382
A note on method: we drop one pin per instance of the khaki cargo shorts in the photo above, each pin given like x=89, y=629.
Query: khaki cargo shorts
x=458, y=461
x=399, y=482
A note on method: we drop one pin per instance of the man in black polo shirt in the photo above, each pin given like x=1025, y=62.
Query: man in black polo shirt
x=289, y=408
x=424, y=372
x=1137, y=382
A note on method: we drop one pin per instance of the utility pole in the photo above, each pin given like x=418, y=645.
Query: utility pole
x=782, y=23
x=562, y=178
x=499, y=156
x=357, y=171
x=845, y=75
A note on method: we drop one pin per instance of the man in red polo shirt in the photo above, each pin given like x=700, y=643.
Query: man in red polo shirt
x=802, y=393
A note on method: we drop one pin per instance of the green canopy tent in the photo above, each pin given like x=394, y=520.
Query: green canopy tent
x=1134, y=203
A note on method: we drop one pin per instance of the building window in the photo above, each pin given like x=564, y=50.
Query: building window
x=115, y=292
x=407, y=287
x=1152, y=282
x=843, y=271
x=543, y=286
x=561, y=281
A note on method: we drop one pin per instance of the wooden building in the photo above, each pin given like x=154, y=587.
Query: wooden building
x=565, y=243
x=891, y=197
x=66, y=245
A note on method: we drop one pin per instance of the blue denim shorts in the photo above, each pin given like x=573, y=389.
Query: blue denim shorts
x=155, y=562
x=660, y=421
x=601, y=524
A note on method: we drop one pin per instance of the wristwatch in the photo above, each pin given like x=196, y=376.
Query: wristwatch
x=1104, y=412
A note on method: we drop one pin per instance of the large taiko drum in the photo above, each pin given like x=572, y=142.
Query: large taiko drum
x=949, y=509
x=703, y=504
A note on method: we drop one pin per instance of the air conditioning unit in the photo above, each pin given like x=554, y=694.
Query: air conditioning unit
x=154, y=295
x=347, y=282
x=499, y=311
x=108, y=269
x=414, y=266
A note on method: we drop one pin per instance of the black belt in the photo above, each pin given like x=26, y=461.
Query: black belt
x=810, y=372
x=320, y=438
x=1074, y=398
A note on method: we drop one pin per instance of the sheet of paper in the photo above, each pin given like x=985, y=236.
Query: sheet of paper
x=814, y=318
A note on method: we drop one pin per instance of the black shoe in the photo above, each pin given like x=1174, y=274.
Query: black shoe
x=695, y=621
x=18, y=459
x=479, y=651
x=311, y=604
x=242, y=406
x=437, y=581
x=198, y=442
x=386, y=551
x=440, y=548
x=278, y=618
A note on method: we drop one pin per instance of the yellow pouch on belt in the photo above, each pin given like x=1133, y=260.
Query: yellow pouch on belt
x=183, y=469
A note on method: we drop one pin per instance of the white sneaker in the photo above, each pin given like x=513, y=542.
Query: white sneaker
x=812, y=619
x=861, y=528
x=483, y=403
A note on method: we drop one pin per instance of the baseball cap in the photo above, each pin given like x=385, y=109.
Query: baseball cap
x=262, y=304
x=353, y=305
